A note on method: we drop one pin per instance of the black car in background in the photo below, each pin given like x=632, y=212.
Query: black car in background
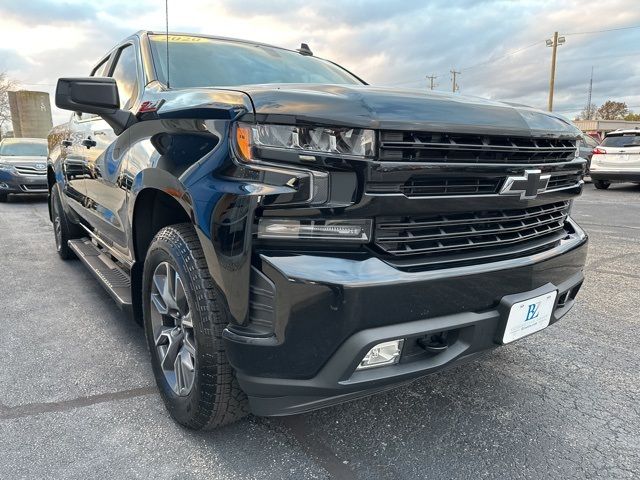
x=292, y=237
x=23, y=166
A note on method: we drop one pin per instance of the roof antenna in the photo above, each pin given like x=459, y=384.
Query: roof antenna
x=305, y=50
x=166, y=16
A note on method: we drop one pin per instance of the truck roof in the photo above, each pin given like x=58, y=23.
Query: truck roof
x=212, y=37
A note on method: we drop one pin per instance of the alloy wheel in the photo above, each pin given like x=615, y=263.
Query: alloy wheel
x=173, y=332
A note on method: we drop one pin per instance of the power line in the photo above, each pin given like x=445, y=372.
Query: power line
x=508, y=54
x=579, y=59
x=602, y=31
x=491, y=60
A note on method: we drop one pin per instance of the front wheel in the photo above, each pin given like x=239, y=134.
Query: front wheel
x=184, y=316
x=601, y=184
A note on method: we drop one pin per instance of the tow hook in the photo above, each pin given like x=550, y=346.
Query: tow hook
x=434, y=343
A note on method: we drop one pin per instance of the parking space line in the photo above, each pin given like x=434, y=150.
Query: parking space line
x=26, y=410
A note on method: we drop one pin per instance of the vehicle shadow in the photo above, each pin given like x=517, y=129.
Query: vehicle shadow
x=625, y=187
x=617, y=187
x=501, y=412
x=26, y=198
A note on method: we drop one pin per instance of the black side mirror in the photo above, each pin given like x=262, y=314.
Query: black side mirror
x=98, y=95
x=89, y=95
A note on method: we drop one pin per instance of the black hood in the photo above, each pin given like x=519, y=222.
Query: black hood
x=389, y=108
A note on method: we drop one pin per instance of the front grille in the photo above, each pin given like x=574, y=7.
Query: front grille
x=35, y=187
x=30, y=170
x=469, y=148
x=564, y=181
x=430, y=186
x=459, y=233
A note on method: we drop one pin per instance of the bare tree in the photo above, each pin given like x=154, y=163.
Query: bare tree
x=6, y=84
x=588, y=112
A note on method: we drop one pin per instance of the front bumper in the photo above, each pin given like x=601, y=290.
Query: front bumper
x=11, y=182
x=330, y=311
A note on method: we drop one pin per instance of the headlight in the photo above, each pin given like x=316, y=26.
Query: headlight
x=6, y=166
x=305, y=141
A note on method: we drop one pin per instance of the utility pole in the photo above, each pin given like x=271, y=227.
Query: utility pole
x=432, y=83
x=553, y=43
x=454, y=86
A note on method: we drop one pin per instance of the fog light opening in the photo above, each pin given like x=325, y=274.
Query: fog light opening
x=4, y=186
x=383, y=354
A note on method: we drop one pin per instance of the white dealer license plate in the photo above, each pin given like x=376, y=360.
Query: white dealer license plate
x=529, y=316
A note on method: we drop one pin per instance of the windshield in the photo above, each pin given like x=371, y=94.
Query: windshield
x=622, y=140
x=207, y=62
x=23, y=149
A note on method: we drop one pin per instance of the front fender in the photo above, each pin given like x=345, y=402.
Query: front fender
x=185, y=158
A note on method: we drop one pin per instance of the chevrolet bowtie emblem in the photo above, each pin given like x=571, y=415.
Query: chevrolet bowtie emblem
x=527, y=186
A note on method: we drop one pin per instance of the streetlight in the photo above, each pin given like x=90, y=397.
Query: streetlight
x=553, y=43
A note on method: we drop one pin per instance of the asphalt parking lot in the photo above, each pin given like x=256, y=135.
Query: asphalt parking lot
x=77, y=397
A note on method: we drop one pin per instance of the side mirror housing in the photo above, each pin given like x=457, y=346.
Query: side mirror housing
x=97, y=95
x=88, y=95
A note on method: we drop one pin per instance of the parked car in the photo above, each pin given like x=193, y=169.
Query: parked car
x=617, y=159
x=293, y=238
x=23, y=166
x=586, y=144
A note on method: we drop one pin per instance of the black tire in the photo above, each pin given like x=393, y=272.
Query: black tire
x=63, y=229
x=214, y=398
x=601, y=184
x=4, y=197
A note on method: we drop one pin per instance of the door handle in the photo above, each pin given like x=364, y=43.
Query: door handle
x=87, y=142
x=67, y=143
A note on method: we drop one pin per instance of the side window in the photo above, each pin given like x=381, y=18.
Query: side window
x=126, y=76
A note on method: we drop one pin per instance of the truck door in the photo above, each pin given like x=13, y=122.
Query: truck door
x=106, y=153
x=73, y=163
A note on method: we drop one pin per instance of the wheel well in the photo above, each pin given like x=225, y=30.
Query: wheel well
x=153, y=211
x=51, y=177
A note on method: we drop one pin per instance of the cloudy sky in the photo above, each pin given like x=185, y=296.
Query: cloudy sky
x=498, y=45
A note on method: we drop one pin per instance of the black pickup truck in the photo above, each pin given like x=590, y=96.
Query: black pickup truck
x=292, y=237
